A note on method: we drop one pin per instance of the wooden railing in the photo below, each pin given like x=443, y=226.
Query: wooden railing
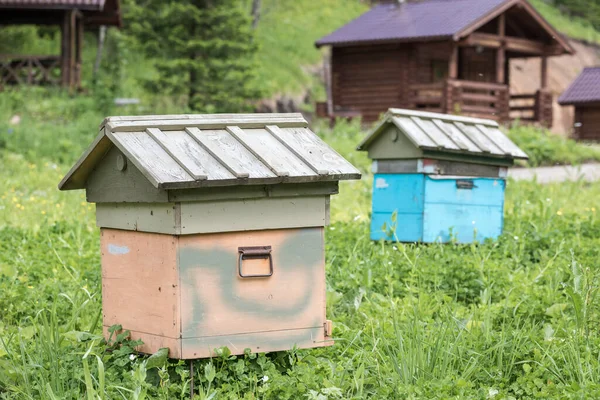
x=532, y=107
x=29, y=70
x=428, y=97
x=522, y=106
x=479, y=99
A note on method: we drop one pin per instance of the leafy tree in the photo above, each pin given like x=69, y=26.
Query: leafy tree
x=202, y=49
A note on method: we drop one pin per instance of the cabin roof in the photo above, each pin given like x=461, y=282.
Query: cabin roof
x=96, y=12
x=415, y=21
x=584, y=89
x=448, y=133
x=190, y=151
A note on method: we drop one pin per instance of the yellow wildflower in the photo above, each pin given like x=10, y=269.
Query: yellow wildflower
x=559, y=212
x=43, y=212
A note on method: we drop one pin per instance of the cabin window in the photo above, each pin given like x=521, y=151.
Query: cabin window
x=439, y=70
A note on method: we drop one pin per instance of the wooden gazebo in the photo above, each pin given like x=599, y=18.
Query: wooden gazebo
x=448, y=56
x=72, y=16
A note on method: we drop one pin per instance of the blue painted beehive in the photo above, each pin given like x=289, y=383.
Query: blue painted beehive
x=438, y=177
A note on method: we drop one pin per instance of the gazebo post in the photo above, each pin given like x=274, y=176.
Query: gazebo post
x=64, y=50
x=501, y=51
x=544, y=72
x=78, y=48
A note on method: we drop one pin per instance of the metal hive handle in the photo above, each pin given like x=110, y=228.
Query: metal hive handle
x=253, y=253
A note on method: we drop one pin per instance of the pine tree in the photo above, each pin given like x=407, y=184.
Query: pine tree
x=203, y=49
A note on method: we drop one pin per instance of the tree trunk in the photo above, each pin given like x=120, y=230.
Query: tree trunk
x=192, y=89
x=255, y=13
x=101, y=39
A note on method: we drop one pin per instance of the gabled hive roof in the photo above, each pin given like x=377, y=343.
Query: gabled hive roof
x=448, y=133
x=188, y=151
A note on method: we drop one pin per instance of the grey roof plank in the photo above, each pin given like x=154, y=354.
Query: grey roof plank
x=481, y=140
x=314, y=151
x=206, y=122
x=180, y=150
x=231, y=153
x=414, y=133
x=502, y=141
x=149, y=157
x=435, y=133
x=455, y=135
x=271, y=152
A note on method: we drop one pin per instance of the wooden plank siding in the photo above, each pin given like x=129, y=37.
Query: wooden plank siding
x=371, y=79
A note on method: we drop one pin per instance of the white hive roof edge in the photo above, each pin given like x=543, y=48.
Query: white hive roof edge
x=448, y=133
x=188, y=151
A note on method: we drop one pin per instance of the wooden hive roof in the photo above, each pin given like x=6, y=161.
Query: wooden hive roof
x=190, y=151
x=448, y=133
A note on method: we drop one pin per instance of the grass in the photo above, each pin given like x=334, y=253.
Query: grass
x=545, y=148
x=513, y=318
x=577, y=28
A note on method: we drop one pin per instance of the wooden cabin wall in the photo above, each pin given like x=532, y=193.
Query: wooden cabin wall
x=589, y=118
x=430, y=57
x=368, y=79
x=371, y=79
x=478, y=67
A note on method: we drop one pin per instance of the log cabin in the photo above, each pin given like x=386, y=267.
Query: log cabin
x=584, y=95
x=72, y=16
x=448, y=56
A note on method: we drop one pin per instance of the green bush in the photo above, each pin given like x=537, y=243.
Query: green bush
x=546, y=148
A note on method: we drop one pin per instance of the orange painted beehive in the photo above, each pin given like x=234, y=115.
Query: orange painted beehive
x=212, y=229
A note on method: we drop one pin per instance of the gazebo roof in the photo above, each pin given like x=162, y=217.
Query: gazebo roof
x=95, y=12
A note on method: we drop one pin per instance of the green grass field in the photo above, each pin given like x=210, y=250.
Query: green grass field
x=511, y=319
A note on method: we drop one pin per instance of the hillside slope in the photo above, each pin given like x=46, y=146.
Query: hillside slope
x=525, y=78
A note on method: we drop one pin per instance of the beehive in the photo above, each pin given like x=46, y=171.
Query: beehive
x=438, y=177
x=212, y=229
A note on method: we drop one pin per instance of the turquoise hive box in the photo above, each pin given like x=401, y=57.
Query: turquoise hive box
x=438, y=177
